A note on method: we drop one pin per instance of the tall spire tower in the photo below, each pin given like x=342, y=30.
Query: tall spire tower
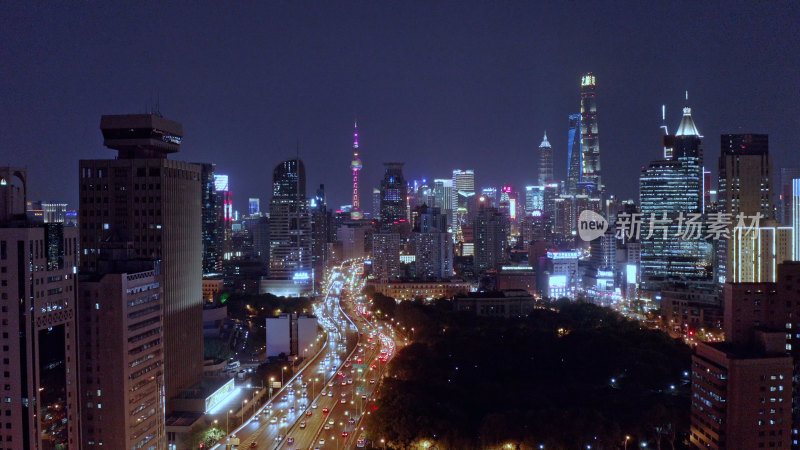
x=590, y=145
x=356, y=212
x=545, y=161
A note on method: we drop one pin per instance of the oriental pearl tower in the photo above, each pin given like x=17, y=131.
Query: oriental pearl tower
x=356, y=213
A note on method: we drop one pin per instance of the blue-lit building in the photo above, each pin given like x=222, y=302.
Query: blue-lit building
x=393, y=193
x=290, y=226
x=574, y=155
x=671, y=187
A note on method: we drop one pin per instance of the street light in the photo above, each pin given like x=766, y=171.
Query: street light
x=627, y=438
x=244, y=402
x=282, y=370
x=227, y=421
x=271, y=380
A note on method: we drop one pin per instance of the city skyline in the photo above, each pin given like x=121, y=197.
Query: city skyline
x=516, y=77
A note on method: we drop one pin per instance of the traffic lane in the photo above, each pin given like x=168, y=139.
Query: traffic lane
x=267, y=431
x=303, y=438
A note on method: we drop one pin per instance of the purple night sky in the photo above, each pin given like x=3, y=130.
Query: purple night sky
x=439, y=85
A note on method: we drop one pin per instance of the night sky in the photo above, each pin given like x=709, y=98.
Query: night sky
x=438, y=86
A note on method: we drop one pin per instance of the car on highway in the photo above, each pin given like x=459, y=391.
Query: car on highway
x=302, y=425
x=254, y=444
x=308, y=413
x=349, y=381
x=343, y=401
x=371, y=381
x=314, y=406
x=331, y=422
x=330, y=394
x=273, y=419
x=345, y=434
x=326, y=427
x=290, y=441
x=322, y=442
x=325, y=410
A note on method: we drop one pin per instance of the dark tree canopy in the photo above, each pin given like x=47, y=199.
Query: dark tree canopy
x=470, y=382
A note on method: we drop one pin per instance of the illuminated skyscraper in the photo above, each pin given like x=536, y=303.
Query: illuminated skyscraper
x=463, y=191
x=443, y=195
x=590, y=143
x=745, y=186
x=393, y=193
x=386, y=255
x=356, y=212
x=224, y=204
x=290, y=225
x=796, y=219
x=212, y=255
x=671, y=187
x=545, y=161
x=574, y=155
x=255, y=206
x=491, y=237
x=154, y=202
x=433, y=246
x=534, y=199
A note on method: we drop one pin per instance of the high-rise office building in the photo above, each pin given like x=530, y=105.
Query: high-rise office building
x=386, y=255
x=463, y=192
x=490, y=236
x=741, y=395
x=667, y=189
x=259, y=229
x=376, y=204
x=742, y=392
x=756, y=252
x=320, y=222
x=783, y=197
x=574, y=154
x=393, y=193
x=745, y=175
x=212, y=256
x=745, y=185
x=443, y=196
x=433, y=245
x=356, y=166
x=224, y=206
x=154, y=202
x=590, y=143
x=545, y=161
x=121, y=341
x=534, y=199
x=254, y=206
x=796, y=219
x=38, y=291
x=290, y=224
